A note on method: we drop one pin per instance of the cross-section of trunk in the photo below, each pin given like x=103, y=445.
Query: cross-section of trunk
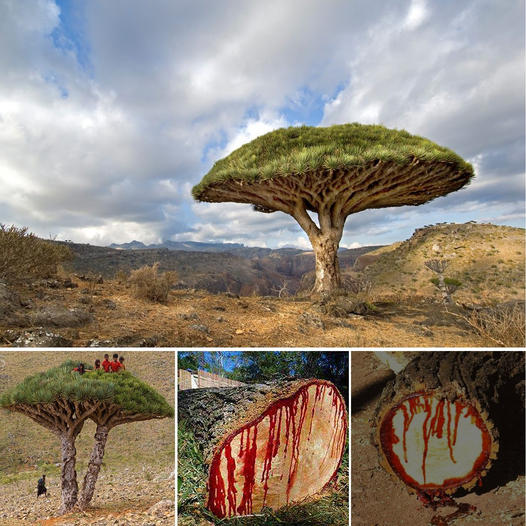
x=267, y=445
x=437, y=424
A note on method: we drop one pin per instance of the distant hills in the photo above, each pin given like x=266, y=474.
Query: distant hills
x=214, y=267
x=188, y=246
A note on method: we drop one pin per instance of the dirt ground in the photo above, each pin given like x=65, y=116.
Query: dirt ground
x=196, y=318
x=377, y=499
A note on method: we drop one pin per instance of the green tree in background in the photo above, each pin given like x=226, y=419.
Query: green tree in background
x=62, y=401
x=263, y=366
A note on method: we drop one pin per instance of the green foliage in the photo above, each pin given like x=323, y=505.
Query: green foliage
x=121, y=388
x=297, y=150
x=453, y=282
x=262, y=366
x=25, y=256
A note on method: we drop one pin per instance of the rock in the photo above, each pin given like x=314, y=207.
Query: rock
x=60, y=316
x=220, y=319
x=187, y=316
x=219, y=308
x=435, y=249
x=109, y=304
x=200, y=328
x=41, y=338
x=313, y=320
x=101, y=343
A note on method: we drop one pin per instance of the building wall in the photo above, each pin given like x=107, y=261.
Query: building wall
x=204, y=379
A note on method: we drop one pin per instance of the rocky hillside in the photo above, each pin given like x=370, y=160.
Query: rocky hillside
x=487, y=260
x=137, y=472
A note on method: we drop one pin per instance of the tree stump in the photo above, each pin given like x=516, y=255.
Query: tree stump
x=438, y=423
x=266, y=445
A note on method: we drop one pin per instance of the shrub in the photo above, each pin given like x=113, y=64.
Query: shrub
x=149, y=283
x=25, y=256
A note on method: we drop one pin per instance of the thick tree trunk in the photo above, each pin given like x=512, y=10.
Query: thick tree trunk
x=69, y=475
x=439, y=424
x=95, y=462
x=325, y=248
x=266, y=445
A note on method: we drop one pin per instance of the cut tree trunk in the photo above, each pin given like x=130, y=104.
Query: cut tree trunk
x=438, y=424
x=95, y=462
x=69, y=475
x=266, y=445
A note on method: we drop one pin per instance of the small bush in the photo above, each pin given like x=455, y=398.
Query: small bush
x=149, y=283
x=25, y=256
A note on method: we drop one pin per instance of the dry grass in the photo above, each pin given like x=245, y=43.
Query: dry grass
x=25, y=256
x=148, y=283
x=502, y=325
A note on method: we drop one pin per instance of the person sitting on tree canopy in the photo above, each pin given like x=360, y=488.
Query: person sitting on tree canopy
x=97, y=364
x=41, y=486
x=121, y=360
x=106, y=364
x=115, y=364
x=80, y=368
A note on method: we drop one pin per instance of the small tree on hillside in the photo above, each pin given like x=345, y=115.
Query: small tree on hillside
x=62, y=400
x=333, y=172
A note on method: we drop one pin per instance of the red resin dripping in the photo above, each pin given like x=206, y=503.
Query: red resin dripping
x=433, y=425
x=293, y=410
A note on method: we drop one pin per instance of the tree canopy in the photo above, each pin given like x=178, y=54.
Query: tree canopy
x=298, y=150
x=123, y=389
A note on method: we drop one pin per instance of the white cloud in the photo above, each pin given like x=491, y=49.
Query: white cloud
x=110, y=152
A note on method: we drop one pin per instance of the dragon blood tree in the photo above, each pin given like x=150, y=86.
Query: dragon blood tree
x=266, y=445
x=439, y=425
x=333, y=172
x=62, y=400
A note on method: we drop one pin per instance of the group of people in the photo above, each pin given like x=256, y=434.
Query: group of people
x=116, y=365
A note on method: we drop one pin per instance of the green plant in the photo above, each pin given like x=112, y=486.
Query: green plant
x=62, y=400
x=149, y=283
x=25, y=256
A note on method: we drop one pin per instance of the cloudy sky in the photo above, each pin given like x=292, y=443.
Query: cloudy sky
x=110, y=111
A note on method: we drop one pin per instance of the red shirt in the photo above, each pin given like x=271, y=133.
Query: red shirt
x=115, y=366
x=106, y=364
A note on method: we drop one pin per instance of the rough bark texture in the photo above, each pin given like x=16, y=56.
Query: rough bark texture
x=327, y=266
x=266, y=445
x=70, y=487
x=481, y=389
x=95, y=461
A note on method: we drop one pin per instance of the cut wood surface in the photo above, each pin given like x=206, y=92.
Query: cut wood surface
x=266, y=445
x=439, y=424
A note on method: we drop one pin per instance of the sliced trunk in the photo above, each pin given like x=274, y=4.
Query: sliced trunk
x=437, y=424
x=95, y=462
x=266, y=445
x=328, y=280
x=69, y=475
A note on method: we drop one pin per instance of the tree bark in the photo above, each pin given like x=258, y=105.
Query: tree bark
x=266, y=445
x=95, y=462
x=327, y=265
x=440, y=423
x=69, y=474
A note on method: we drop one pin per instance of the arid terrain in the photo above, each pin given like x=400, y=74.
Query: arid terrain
x=377, y=498
x=136, y=482
x=391, y=301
